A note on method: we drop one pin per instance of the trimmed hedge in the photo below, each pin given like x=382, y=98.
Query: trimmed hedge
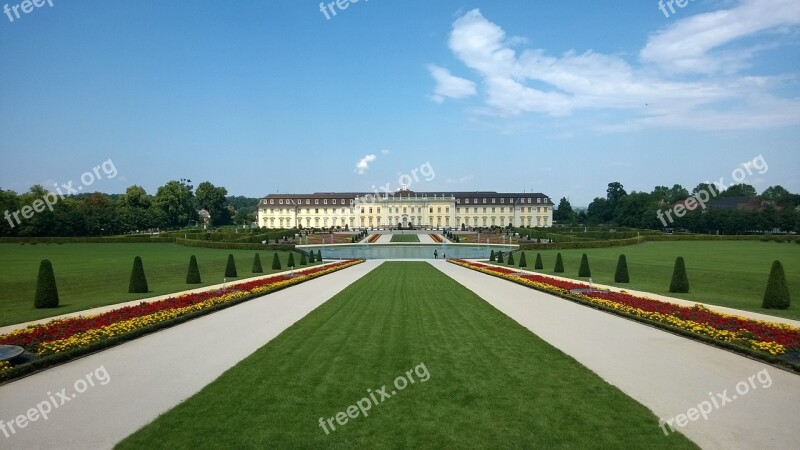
x=128, y=239
x=257, y=264
x=583, y=270
x=777, y=293
x=193, y=273
x=233, y=245
x=138, y=282
x=680, y=282
x=621, y=274
x=46, y=289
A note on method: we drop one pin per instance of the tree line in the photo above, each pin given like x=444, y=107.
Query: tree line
x=778, y=210
x=174, y=205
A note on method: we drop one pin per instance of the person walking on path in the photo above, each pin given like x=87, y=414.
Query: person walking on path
x=435, y=254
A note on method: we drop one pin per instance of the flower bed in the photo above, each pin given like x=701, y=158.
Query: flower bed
x=436, y=238
x=772, y=342
x=62, y=339
x=372, y=239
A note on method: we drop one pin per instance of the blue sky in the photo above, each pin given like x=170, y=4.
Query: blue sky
x=263, y=97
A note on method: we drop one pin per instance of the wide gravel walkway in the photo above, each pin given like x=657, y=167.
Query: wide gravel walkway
x=137, y=381
x=667, y=373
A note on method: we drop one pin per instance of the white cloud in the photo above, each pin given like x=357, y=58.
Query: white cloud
x=531, y=81
x=689, y=45
x=449, y=86
x=363, y=164
x=385, y=151
x=460, y=180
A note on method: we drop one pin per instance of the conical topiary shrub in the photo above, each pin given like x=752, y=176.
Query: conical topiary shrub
x=680, y=282
x=621, y=275
x=46, y=289
x=193, y=273
x=510, y=261
x=583, y=270
x=138, y=283
x=311, y=258
x=319, y=255
x=276, y=262
x=290, y=263
x=492, y=256
x=538, y=264
x=500, y=257
x=303, y=260
x=230, y=268
x=522, y=262
x=559, y=268
x=777, y=293
x=257, y=264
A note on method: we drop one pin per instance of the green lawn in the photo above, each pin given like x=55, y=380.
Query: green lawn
x=727, y=273
x=491, y=383
x=90, y=275
x=405, y=238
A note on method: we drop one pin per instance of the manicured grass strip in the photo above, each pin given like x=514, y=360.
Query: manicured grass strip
x=492, y=383
x=91, y=275
x=726, y=273
x=405, y=238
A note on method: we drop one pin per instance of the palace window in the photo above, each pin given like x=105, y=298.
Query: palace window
x=316, y=201
x=334, y=201
x=502, y=200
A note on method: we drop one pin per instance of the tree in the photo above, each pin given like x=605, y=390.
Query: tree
x=46, y=289
x=564, y=213
x=739, y=190
x=615, y=192
x=500, y=257
x=522, y=261
x=276, y=262
x=599, y=211
x=303, y=261
x=290, y=263
x=621, y=274
x=510, y=258
x=257, y=264
x=559, y=268
x=230, y=268
x=680, y=282
x=138, y=282
x=311, y=257
x=538, y=264
x=212, y=199
x=319, y=255
x=583, y=270
x=778, y=195
x=777, y=292
x=193, y=273
x=176, y=201
x=492, y=256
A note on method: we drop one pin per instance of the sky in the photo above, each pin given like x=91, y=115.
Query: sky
x=294, y=96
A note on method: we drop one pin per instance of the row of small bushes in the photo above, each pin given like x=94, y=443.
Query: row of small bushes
x=586, y=244
x=128, y=239
x=47, y=291
x=776, y=294
x=234, y=245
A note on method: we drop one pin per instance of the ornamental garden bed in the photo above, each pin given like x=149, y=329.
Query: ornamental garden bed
x=61, y=340
x=773, y=343
x=372, y=239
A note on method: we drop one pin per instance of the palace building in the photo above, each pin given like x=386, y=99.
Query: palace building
x=354, y=210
